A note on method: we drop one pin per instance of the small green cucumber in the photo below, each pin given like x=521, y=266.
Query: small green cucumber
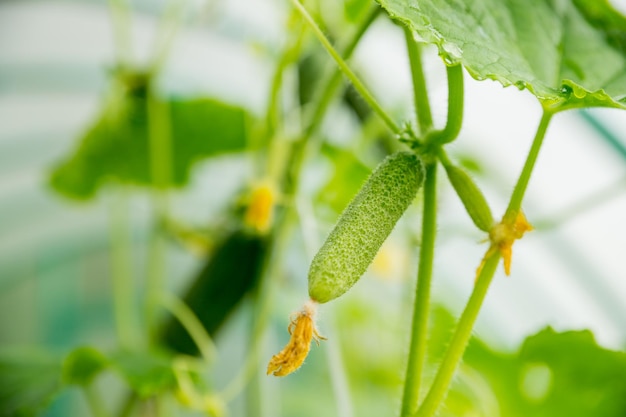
x=471, y=197
x=364, y=225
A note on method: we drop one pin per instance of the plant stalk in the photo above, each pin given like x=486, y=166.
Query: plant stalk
x=192, y=325
x=120, y=18
x=334, y=81
x=421, y=308
x=343, y=66
x=515, y=203
x=459, y=341
x=161, y=173
x=439, y=389
x=420, y=92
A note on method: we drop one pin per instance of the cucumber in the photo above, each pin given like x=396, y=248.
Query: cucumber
x=364, y=225
x=230, y=273
x=471, y=197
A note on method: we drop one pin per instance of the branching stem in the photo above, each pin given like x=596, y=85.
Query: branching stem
x=441, y=384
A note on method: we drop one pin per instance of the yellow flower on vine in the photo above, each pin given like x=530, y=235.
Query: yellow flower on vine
x=502, y=236
x=259, y=213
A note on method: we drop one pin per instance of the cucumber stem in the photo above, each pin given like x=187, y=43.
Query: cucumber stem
x=421, y=307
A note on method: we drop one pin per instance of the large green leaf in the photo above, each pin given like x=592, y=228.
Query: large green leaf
x=553, y=374
x=568, y=53
x=116, y=148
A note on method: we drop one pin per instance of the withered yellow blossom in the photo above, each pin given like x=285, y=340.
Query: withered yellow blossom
x=259, y=214
x=502, y=236
x=302, y=330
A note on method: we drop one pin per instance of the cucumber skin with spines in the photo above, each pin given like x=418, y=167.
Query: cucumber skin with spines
x=364, y=225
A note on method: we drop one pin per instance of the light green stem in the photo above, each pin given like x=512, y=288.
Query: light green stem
x=168, y=26
x=329, y=88
x=515, y=202
x=455, y=108
x=121, y=270
x=161, y=172
x=334, y=81
x=120, y=17
x=421, y=309
x=343, y=66
x=338, y=377
x=420, y=92
x=289, y=55
x=441, y=384
x=192, y=324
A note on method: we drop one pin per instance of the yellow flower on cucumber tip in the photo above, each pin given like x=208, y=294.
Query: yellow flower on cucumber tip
x=302, y=330
x=502, y=236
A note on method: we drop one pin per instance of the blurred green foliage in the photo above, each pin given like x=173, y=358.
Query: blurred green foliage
x=116, y=147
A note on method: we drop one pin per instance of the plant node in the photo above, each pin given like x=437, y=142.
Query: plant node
x=502, y=237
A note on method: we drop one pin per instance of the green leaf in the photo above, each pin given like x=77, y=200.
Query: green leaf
x=355, y=9
x=116, y=148
x=554, y=374
x=567, y=53
x=82, y=365
x=28, y=382
x=147, y=373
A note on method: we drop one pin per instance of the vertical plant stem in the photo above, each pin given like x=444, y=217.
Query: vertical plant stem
x=338, y=377
x=459, y=341
x=168, y=26
x=123, y=299
x=323, y=101
x=334, y=81
x=343, y=66
x=120, y=17
x=160, y=169
x=421, y=308
x=420, y=92
x=289, y=55
x=515, y=203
